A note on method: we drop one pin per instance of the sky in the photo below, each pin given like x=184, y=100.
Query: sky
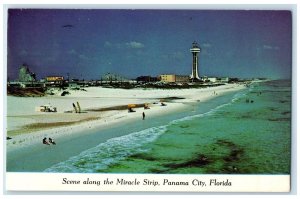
x=89, y=43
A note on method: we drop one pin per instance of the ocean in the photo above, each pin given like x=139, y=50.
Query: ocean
x=247, y=132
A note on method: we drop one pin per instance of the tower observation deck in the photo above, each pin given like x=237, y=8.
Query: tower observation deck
x=195, y=50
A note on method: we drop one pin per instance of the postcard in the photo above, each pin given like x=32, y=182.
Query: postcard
x=148, y=100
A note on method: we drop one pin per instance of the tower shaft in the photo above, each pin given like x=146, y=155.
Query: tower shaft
x=195, y=66
x=195, y=50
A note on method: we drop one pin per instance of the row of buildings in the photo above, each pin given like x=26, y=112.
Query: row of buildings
x=173, y=78
x=28, y=79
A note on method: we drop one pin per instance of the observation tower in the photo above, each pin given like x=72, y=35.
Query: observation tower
x=195, y=50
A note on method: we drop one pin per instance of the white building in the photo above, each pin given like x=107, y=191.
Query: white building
x=224, y=79
x=212, y=79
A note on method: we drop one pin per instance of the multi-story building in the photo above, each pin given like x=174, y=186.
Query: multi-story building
x=55, y=80
x=171, y=78
x=209, y=79
x=146, y=79
x=182, y=78
x=168, y=78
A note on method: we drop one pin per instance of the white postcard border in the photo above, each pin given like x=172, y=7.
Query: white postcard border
x=16, y=181
x=13, y=181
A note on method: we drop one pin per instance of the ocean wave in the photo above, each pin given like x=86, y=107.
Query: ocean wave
x=211, y=112
x=235, y=98
x=108, y=153
x=240, y=95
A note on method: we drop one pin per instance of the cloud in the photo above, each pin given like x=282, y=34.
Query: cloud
x=72, y=52
x=134, y=44
x=51, y=59
x=178, y=55
x=175, y=55
x=23, y=53
x=83, y=57
x=77, y=54
x=107, y=44
x=206, y=45
x=29, y=53
x=276, y=48
x=268, y=47
x=55, y=45
x=131, y=45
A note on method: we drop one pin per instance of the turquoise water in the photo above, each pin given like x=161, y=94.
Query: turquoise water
x=250, y=133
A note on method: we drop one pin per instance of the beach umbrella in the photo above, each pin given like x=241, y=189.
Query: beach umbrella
x=131, y=105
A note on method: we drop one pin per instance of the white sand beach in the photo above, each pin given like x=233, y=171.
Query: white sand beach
x=27, y=127
x=104, y=116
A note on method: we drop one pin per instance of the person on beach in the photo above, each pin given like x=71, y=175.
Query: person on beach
x=143, y=115
x=45, y=141
x=52, y=141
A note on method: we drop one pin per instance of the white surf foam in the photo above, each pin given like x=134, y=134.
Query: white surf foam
x=108, y=153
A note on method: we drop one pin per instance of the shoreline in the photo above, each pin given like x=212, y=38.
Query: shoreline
x=107, y=119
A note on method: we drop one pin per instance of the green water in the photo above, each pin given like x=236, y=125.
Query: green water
x=240, y=137
x=244, y=133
